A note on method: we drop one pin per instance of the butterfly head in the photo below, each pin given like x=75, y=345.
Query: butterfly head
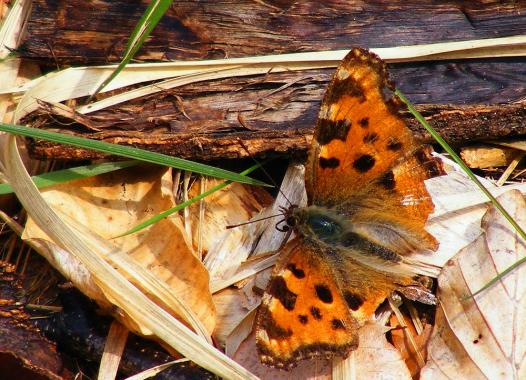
x=313, y=222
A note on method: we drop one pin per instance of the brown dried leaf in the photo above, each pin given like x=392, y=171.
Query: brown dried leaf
x=375, y=358
x=400, y=340
x=225, y=249
x=483, y=337
x=113, y=203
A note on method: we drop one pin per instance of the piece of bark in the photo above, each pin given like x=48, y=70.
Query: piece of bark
x=81, y=333
x=24, y=353
x=200, y=121
x=80, y=31
x=223, y=137
x=487, y=156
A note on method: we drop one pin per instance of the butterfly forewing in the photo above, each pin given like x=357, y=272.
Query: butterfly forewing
x=361, y=141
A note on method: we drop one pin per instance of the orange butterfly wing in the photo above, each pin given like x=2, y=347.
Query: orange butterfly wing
x=313, y=308
x=363, y=147
x=303, y=313
x=366, y=166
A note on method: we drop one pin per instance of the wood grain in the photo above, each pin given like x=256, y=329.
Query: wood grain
x=200, y=121
x=211, y=140
x=82, y=31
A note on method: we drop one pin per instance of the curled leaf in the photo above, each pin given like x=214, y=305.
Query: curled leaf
x=483, y=336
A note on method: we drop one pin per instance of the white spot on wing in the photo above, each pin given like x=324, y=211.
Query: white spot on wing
x=333, y=111
x=323, y=111
x=411, y=200
x=342, y=74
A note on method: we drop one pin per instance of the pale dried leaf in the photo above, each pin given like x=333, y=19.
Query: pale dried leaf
x=375, y=358
x=113, y=349
x=232, y=306
x=12, y=27
x=240, y=332
x=128, y=299
x=113, y=203
x=72, y=269
x=250, y=268
x=486, y=156
x=256, y=238
x=225, y=249
x=483, y=337
x=459, y=207
x=151, y=372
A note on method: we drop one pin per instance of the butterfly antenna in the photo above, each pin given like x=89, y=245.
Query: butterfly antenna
x=241, y=121
x=253, y=221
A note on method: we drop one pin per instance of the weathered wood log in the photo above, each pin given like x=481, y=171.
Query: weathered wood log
x=81, y=31
x=214, y=139
x=200, y=121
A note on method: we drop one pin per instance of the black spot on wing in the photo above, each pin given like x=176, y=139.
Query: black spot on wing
x=303, y=319
x=387, y=180
x=323, y=293
x=297, y=272
x=337, y=324
x=433, y=165
x=316, y=313
x=364, y=163
x=354, y=301
x=364, y=123
x=370, y=137
x=434, y=168
x=279, y=290
x=329, y=163
x=274, y=331
x=343, y=87
x=393, y=144
x=328, y=130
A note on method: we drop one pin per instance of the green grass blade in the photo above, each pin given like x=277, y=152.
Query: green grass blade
x=142, y=30
x=472, y=176
x=129, y=152
x=60, y=176
x=187, y=203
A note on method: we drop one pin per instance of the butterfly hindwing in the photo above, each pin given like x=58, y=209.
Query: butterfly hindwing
x=303, y=312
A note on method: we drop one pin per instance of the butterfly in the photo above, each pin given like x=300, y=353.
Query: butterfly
x=367, y=206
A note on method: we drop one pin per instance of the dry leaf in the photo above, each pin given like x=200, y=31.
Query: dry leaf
x=375, y=358
x=113, y=203
x=459, y=207
x=407, y=349
x=232, y=306
x=483, y=337
x=225, y=249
